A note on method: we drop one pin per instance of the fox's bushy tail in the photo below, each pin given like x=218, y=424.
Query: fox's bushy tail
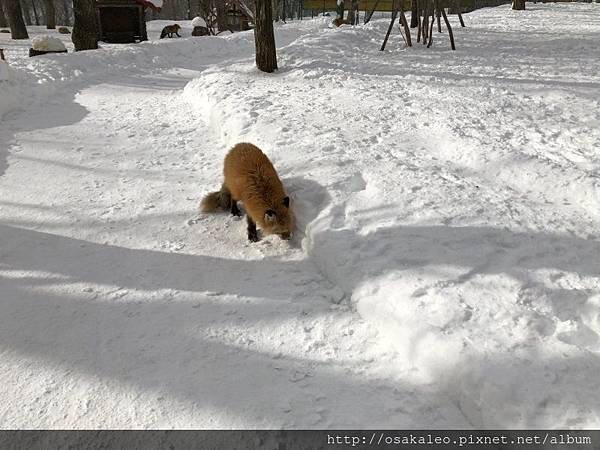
x=215, y=201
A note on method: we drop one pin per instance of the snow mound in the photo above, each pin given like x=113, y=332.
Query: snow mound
x=198, y=22
x=47, y=44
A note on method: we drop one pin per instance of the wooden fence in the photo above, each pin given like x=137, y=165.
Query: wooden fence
x=386, y=5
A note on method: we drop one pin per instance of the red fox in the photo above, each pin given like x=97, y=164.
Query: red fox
x=339, y=22
x=170, y=30
x=251, y=178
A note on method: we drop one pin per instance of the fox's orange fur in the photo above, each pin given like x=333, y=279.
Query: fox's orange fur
x=251, y=178
x=338, y=22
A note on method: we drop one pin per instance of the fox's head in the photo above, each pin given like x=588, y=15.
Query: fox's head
x=278, y=219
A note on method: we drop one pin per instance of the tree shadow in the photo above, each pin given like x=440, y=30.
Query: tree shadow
x=484, y=250
x=150, y=320
x=494, y=386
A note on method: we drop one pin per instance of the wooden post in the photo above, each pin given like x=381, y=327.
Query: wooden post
x=368, y=17
x=404, y=23
x=449, y=30
x=387, y=35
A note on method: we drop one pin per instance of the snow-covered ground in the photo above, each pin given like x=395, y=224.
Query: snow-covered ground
x=445, y=271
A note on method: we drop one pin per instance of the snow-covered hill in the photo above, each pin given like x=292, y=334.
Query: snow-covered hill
x=445, y=269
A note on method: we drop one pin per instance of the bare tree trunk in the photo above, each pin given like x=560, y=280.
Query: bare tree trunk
x=26, y=10
x=264, y=37
x=3, y=22
x=340, y=9
x=352, y=12
x=425, y=26
x=221, y=15
x=14, y=14
x=414, y=14
x=85, y=36
x=431, y=26
x=50, y=14
x=36, y=18
x=518, y=5
x=66, y=12
x=419, y=24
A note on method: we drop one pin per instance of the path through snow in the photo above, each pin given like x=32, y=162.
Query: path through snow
x=123, y=308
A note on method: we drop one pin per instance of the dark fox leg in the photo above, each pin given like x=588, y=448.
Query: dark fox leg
x=177, y=34
x=233, y=207
x=252, y=233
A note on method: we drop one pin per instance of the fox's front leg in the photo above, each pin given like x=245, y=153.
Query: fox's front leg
x=233, y=207
x=252, y=233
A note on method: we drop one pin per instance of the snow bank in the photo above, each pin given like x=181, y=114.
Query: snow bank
x=47, y=44
x=40, y=77
x=461, y=203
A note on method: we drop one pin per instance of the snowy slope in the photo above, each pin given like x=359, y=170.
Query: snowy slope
x=444, y=273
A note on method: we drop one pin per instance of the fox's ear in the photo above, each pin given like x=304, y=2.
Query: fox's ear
x=270, y=216
x=286, y=202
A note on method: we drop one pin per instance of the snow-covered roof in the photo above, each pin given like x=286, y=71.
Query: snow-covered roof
x=198, y=22
x=246, y=9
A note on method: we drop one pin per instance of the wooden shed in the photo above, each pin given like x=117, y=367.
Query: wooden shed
x=122, y=21
x=239, y=16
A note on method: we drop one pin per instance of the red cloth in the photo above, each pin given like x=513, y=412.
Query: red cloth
x=149, y=4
